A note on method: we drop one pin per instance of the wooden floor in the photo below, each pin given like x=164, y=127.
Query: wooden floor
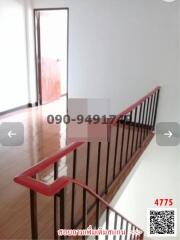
x=42, y=140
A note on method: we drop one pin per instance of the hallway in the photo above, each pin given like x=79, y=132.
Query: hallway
x=109, y=59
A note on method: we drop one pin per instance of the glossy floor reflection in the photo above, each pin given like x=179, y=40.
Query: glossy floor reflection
x=41, y=140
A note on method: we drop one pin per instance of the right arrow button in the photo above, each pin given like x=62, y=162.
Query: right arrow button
x=167, y=133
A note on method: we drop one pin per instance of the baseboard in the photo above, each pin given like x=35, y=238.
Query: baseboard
x=29, y=105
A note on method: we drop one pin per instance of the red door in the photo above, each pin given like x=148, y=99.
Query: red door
x=50, y=80
x=52, y=44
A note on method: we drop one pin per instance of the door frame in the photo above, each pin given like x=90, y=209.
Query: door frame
x=37, y=42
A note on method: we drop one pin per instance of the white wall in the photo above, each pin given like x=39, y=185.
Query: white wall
x=121, y=49
x=118, y=49
x=30, y=48
x=13, y=55
x=147, y=182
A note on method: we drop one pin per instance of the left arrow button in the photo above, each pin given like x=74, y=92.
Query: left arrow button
x=11, y=134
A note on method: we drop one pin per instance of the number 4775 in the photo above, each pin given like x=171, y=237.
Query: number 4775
x=164, y=202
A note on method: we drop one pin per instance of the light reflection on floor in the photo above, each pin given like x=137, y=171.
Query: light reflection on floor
x=41, y=140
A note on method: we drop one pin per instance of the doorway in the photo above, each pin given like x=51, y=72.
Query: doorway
x=51, y=46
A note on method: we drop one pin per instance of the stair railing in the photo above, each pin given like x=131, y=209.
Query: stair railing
x=122, y=227
x=132, y=128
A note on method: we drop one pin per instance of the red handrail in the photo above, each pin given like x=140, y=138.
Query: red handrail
x=134, y=105
x=50, y=160
x=26, y=179
x=60, y=184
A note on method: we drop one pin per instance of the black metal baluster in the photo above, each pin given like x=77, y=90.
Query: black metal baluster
x=115, y=224
x=142, y=124
x=121, y=227
x=33, y=208
x=107, y=222
x=147, y=126
x=87, y=164
x=55, y=202
x=131, y=232
x=149, y=117
x=97, y=217
x=153, y=110
x=84, y=212
x=115, y=152
x=126, y=230
x=122, y=143
x=55, y=170
x=62, y=211
x=73, y=189
x=157, y=101
x=129, y=128
x=139, y=125
x=55, y=217
x=135, y=236
x=107, y=167
x=98, y=167
x=146, y=119
x=134, y=126
x=134, y=233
